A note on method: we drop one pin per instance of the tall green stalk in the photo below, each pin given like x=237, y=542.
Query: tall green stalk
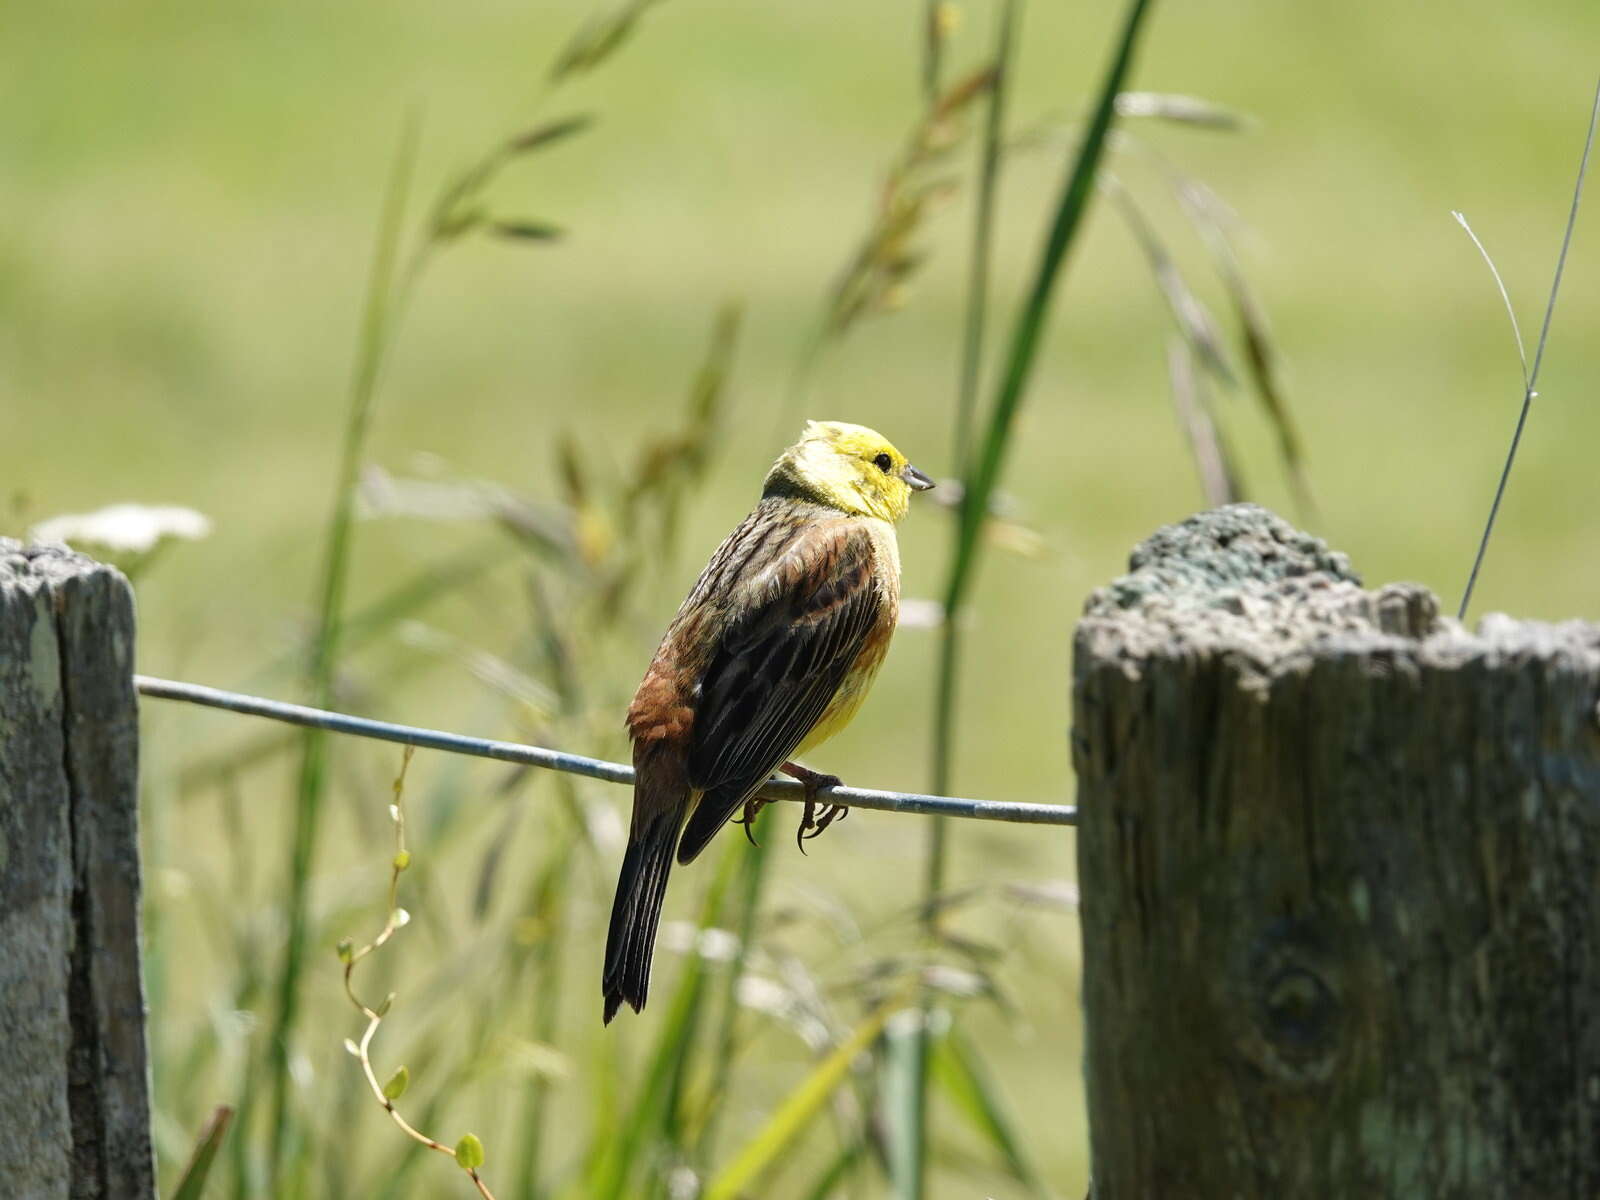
x=984, y=472
x=752, y=875
x=545, y=977
x=325, y=648
x=932, y=51
x=980, y=474
x=966, y=410
x=909, y=1083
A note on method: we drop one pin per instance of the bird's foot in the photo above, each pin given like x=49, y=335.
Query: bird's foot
x=752, y=807
x=811, y=822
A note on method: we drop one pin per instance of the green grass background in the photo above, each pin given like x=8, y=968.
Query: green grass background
x=189, y=195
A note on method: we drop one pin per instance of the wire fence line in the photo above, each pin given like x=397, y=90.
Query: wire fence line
x=590, y=768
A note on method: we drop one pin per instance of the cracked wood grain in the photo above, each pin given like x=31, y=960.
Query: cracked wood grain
x=74, y=1079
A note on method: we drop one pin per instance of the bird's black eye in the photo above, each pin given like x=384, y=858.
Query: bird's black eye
x=884, y=463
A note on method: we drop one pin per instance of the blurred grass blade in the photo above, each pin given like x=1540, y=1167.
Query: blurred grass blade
x=1219, y=478
x=1260, y=356
x=1073, y=203
x=325, y=647
x=1505, y=297
x=972, y=346
x=1192, y=318
x=981, y=474
x=192, y=1183
x=416, y=592
x=711, y=379
x=377, y=619
x=797, y=1110
x=944, y=711
x=963, y=92
x=877, y=274
x=977, y=299
x=677, y=1046
x=654, y=1118
x=934, y=30
x=549, y=898
x=599, y=38
x=550, y=131
x=459, y=207
x=829, y=1183
x=1184, y=110
x=752, y=874
x=1528, y=391
x=666, y=465
x=904, y=1076
x=960, y=1073
x=527, y=231
x=976, y=325
x=1261, y=360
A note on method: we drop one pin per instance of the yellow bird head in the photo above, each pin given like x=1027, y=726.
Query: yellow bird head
x=848, y=467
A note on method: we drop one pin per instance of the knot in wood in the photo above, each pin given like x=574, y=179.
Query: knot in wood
x=1297, y=1007
x=1296, y=1015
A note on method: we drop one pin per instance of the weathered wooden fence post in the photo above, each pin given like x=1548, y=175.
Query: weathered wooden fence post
x=1340, y=871
x=74, y=1082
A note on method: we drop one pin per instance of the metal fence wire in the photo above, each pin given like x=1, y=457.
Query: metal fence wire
x=590, y=768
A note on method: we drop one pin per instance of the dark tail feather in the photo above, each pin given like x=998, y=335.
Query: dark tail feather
x=635, y=913
x=710, y=815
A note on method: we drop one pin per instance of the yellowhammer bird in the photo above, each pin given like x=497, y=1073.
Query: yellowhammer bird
x=772, y=653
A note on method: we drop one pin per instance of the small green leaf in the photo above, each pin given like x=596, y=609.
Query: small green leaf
x=598, y=40
x=469, y=1152
x=402, y=860
x=383, y=1009
x=550, y=131
x=397, y=1085
x=346, y=949
x=527, y=231
x=193, y=1182
x=452, y=224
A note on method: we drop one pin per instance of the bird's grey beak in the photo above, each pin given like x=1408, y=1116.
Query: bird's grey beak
x=918, y=481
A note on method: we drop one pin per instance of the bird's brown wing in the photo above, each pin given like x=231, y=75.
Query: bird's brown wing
x=776, y=667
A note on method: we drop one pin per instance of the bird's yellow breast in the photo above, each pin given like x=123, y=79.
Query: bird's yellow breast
x=858, y=680
x=851, y=693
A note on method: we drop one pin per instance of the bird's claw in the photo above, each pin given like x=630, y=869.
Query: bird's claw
x=810, y=828
x=752, y=807
x=830, y=813
x=811, y=823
